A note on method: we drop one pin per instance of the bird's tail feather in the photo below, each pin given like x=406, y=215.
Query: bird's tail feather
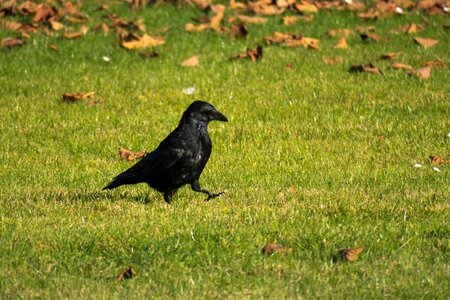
x=121, y=180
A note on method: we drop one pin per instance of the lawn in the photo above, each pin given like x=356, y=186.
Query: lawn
x=314, y=158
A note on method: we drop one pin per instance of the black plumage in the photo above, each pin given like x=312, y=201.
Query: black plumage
x=180, y=158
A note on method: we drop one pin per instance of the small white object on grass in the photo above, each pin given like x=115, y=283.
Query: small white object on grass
x=106, y=58
x=448, y=134
x=189, y=91
x=417, y=166
x=436, y=169
x=398, y=10
x=349, y=1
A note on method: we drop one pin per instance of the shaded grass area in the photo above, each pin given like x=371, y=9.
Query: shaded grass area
x=314, y=158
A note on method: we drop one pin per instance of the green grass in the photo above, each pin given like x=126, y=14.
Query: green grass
x=314, y=158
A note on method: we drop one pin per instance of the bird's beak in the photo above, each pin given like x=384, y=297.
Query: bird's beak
x=217, y=115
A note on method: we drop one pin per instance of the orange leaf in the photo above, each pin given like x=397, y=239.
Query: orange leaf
x=252, y=20
x=56, y=25
x=350, y=254
x=397, y=65
x=306, y=7
x=273, y=248
x=130, y=155
x=411, y=28
x=368, y=68
x=422, y=73
x=391, y=55
x=426, y=43
x=138, y=42
x=77, y=96
x=217, y=19
x=341, y=44
x=12, y=42
x=290, y=20
x=333, y=60
x=191, y=62
x=435, y=63
x=437, y=160
x=340, y=32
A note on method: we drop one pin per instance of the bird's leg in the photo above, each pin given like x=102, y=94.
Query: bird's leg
x=168, y=196
x=196, y=187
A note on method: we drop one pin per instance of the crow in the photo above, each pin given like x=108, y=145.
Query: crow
x=180, y=158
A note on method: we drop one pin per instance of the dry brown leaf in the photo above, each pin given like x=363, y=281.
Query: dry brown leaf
x=270, y=249
x=371, y=14
x=368, y=68
x=371, y=36
x=305, y=42
x=268, y=10
x=426, y=43
x=279, y=37
x=202, y=4
x=55, y=25
x=350, y=254
x=306, y=7
x=10, y=25
x=237, y=5
x=435, y=63
x=43, y=13
x=288, y=67
x=341, y=44
x=12, y=42
x=130, y=155
x=238, y=30
x=344, y=32
x=78, y=96
x=252, y=20
x=196, y=28
x=53, y=47
x=422, y=73
x=192, y=61
x=333, y=60
x=397, y=65
x=127, y=274
x=73, y=35
x=391, y=55
x=139, y=42
x=411, y=28
x=254, y=54
x=437, y=160
x=290, y=20
x=217, y=19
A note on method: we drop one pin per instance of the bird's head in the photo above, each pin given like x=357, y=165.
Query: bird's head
x=204, y=112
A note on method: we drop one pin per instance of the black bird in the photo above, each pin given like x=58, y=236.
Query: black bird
x=180, y=158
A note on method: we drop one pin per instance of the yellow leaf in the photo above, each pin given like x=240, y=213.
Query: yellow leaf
x=146, y=41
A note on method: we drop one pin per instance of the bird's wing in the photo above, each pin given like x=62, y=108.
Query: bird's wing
x=157, y=161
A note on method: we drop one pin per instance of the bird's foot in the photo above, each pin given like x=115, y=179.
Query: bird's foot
x=212, y=196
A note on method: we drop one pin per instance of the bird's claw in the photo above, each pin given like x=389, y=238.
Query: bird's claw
x=212, y=196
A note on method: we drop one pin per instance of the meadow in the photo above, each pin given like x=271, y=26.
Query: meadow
x=314, y=158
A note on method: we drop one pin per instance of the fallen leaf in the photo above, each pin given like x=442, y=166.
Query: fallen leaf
x=411, y=28
x=202, y=4
x=10, y=25
x=133, y=41
x=426, y=43
x=306, y=7
x=343, y=32
x=53, y=47
x=371, y=36
x=397, y=65
x=391, y=55
x=219, y=9
x=270, y=249
x=12, y=42
x=239, y=30
x=341, y=44
x=43, y=13
x=437, y=160
x=77, y=96
x=288, y=67
x=350, y=254
x=290, y=20
x=422, y=73
x=254, y=54
x=196, y=28
x=306, y=18
x=56, y=25
x=192, y=61
x=371, y=14
x=130, y=155
x=368, y=68
x=73, y=35
x=333, y=60
x=127, y=274
x=252, y=20
x=435, y=63
x=305, y=42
